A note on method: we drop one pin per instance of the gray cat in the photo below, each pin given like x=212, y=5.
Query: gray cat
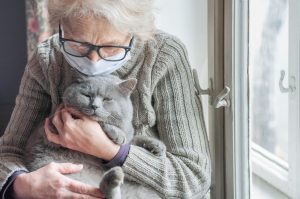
x=105, y=99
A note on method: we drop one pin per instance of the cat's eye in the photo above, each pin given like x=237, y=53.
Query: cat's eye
x=86, y=95
x=107, y=99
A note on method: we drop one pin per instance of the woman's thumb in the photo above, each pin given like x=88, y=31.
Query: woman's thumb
x=67, y=168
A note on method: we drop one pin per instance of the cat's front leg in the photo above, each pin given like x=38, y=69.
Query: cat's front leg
x=114, y=133
x=153, y=145
x=111, y=182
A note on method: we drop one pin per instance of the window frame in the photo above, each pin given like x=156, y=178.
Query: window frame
x=216, y=116
x=237, y=137
x=294, y=98
x=270, y=168
x=227, y=61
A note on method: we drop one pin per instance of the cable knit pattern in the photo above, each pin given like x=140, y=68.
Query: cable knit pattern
x=165, y=107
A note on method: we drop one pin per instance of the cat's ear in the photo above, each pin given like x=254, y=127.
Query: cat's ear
x=79, y=80
x=128, y=86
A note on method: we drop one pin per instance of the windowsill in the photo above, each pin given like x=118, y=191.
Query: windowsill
x=262, y=189
x=272, y=172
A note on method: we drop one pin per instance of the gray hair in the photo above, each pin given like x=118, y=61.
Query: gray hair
x=133, y=16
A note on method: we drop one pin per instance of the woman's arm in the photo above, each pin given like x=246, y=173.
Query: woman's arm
x=32, y=105
x=185, y=170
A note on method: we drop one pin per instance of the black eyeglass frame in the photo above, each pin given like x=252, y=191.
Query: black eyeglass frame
x=93, y=47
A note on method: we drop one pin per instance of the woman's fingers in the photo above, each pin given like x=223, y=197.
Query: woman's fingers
x=56, y=185
x=66, y=117
x=57, y=120
x=76, y=186
x=50, y=136
x=67, y=168
x=81, y=188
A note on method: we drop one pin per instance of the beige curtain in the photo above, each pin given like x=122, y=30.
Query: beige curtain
x=38, y=28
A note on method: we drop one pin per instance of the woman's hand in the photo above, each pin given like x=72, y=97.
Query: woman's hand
x=80, y=133
x=49, y=182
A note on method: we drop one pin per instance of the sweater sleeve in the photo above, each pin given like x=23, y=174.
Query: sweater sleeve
x=32, y=105
x=7, y=190
x=184, y=172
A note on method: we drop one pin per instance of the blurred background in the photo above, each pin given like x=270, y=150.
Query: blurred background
x=13, y=55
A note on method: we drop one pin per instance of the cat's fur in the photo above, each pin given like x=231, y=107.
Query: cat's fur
x=105, y=99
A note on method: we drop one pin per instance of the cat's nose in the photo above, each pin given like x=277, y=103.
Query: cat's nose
x=93, y=106
x=96, y=103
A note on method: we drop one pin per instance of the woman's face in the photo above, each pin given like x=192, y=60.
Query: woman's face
x=96, y=31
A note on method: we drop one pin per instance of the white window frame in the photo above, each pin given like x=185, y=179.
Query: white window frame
x=239, y=80
x=294, y=98
x=228, y=61
x=237, y=137
x=216, y=116
x=270, y=168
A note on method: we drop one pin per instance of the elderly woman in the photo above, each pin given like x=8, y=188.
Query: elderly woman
x=165, y=103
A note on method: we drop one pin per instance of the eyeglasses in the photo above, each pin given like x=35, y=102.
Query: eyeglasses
x=83, y=49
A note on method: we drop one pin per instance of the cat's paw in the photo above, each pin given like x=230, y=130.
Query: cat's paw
x=114, y=133
x=112, y=178
x=153, y=145
x=119, y=140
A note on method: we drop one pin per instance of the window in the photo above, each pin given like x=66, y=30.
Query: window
x=254, y=51
x=269, y=106
x=274, y=97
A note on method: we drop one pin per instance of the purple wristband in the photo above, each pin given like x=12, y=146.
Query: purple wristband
x=7, y=190
x=120, y=157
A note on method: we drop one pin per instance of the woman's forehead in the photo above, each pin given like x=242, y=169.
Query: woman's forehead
x=93, y=30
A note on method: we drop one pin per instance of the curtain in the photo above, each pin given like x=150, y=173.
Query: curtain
x=38, y=28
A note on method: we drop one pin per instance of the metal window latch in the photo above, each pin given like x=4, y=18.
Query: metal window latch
x=221, y=100
x=291, y=88
x=198, y=88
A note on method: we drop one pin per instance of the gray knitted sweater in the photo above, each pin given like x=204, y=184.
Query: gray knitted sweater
x=165, y=106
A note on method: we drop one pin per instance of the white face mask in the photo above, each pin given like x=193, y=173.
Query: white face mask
x=91, y=68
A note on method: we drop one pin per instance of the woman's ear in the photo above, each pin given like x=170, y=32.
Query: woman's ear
x=127, y=86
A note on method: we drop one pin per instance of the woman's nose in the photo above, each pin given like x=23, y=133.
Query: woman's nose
x=93, y=56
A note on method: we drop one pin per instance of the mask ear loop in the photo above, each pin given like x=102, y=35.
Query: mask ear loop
x=60, y=31
x=60, y=36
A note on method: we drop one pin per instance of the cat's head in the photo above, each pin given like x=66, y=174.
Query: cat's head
x=102, y=98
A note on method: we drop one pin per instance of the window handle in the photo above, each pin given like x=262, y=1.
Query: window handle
x=221, y=100
x=291, y=88
x=198, y=88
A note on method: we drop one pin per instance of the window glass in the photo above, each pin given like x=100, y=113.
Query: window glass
x=269, y=102
x=268, y=56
